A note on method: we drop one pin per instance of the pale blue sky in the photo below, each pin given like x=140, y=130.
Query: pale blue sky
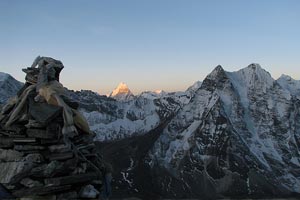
x=149, y=44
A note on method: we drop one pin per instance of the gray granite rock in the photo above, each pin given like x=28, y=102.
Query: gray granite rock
x=11, y=169
x=10, y=155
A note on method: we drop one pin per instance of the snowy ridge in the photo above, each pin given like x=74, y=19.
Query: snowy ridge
x=254, y=76
x=153, y=95
x=194, y=87
x=114, y=120
x=245, y=114
x=290, y=84
x=137, y=117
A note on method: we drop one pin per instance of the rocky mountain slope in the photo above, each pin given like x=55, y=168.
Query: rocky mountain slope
x=8, y=87
x=234, y=134
x=114, y=120
x=238, y=136
x=288, y=83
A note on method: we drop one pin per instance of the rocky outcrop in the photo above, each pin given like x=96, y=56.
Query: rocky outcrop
x=40, y=155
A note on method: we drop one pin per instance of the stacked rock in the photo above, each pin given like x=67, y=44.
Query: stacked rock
x=37, y=158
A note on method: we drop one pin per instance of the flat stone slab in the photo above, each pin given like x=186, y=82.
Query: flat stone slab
x=60, y=156
x=59, y=148
x=39, y=133
x=43, y=190
x=10, y=155
x=28, y=147
x=73, y=179
x=9, y=170
x=24, y=140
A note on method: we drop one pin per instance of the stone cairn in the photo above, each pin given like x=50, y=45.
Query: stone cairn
x=39, y=159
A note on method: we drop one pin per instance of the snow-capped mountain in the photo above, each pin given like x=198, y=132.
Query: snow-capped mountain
x=8, y=87
x=290, y=84
x=122, y=93
x=115, y=119
x=180, y=97
x=235, y=134
x=153, y=94
x=111, y=119
x=192, y=89
x=239, y=135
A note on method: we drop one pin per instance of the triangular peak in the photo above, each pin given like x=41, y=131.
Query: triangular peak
x=122, y=88
x=218, y=68
x=217, y=71
x=254, y=66
x=254, y=74
x=251, y=78
x=122, y=85
x=215, y=79
x=122, y=92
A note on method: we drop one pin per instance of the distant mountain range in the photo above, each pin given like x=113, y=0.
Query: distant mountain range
x=235, y=134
